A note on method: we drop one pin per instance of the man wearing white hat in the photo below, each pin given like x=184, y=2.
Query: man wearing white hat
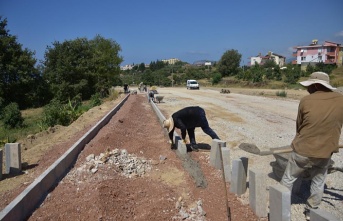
x=318, y=129
x=187, y=119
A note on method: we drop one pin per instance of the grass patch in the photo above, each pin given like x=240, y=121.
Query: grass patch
x=34, y=123
x=281, y=93
x=32, y=117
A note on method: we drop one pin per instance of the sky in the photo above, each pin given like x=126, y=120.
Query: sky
x=190, y=30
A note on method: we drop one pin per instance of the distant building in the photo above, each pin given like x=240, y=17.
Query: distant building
x=171, y=60
x=203, y=63
x=328, y=53
x=130, y=66
x=261, y=60
x=126, y=67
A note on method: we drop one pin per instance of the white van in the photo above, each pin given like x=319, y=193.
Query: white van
x=192, y=84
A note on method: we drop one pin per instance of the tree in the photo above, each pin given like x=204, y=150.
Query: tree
x=107, y=60
x=292, y=74
x=20, y=81
x=277, y=73
x=269, y=64
x=256, y=74
x=82, y=66
x=216, y=78
x=141, y=67
x=228, y=65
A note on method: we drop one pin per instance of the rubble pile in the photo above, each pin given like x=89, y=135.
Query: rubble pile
x=127, y=164
x=194, y=213
x=124, y=163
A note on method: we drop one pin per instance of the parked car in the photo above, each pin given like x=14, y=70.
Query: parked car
x=192, y=84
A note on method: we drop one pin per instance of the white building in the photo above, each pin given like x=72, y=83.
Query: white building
x=126, y=67
x=171, y=60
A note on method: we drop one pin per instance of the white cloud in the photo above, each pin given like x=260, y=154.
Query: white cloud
x=340, y=34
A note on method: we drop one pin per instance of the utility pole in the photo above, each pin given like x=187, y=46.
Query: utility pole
x=172, y=78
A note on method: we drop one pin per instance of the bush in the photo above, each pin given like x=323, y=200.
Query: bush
x=12, y=116
x=216, y=78
x=56, y=113
x=281, y=93
x=95, y=100
x=113, y=94
x=1, y=106
x=52, y=113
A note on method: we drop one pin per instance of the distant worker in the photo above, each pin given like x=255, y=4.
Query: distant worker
x=151, y=96
x=126, y=88
x=187, y=119
x=318, y=129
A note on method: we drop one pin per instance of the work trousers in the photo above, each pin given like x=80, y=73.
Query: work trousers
x=204, y=126
x=318, y=168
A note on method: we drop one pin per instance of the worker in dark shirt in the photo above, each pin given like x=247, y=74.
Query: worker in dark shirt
x=126, y=88
x=187, y=119
x=151, y=96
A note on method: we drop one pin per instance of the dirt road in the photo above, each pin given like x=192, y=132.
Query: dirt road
x=267, y=121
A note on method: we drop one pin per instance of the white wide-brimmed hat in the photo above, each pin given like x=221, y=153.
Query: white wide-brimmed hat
x=169, y=124
x=318, y=78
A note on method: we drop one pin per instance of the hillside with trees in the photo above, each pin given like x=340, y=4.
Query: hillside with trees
x=77, y=74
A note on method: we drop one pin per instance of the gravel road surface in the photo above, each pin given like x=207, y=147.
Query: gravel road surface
x=268, y=122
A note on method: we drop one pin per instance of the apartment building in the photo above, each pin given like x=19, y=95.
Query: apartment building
x=171, y=60
x=261, y=60
x=328, y=53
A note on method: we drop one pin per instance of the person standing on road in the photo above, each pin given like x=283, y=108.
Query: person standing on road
x=126, y=88
x=187, y=119
x=151, y=96
x=318, y=129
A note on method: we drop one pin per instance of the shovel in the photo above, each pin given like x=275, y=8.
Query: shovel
x=252, y=148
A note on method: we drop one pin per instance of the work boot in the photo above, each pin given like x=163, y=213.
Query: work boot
x=194, y=147
x=173, y=146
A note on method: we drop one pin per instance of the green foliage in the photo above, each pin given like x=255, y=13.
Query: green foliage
x=216, y=78
x=154, y=66
x=327, y=68
x=277, y=73
x=228, y=64
x=269, y=64
x=57, y=113
x=81, y=66
x=269, y=74
x=256, y=74
x=1, y=105
x=292, y=74
x=309, y=70
x=95, y=100
x=51, y=113
x=11, y=116
x=20, y=81
x=141, y=67
x=113, y=94
x=281, y=93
